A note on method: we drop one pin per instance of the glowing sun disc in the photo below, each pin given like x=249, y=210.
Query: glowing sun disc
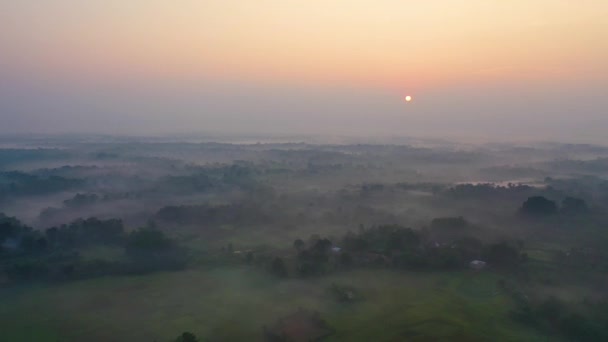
x=408, y=98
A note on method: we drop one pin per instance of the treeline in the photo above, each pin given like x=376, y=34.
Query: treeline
x=82, y=201
x=538, y=206
x=192, y=180
x=206, y=214
x=224, y=177
x=398, y=247
x=55, y=254
x=16, y=183
x=489, y=190
x=587, y=187
x=595, y=166
x=15, y=156
x=369, y=189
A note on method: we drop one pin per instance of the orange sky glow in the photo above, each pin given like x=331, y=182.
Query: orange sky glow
x=385, y=43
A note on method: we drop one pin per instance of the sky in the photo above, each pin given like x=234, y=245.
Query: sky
x=533, y=69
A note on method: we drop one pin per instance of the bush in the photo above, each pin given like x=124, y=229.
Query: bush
x=186, y=337
x=150, y=250
x=277, y=267
x=538, y=206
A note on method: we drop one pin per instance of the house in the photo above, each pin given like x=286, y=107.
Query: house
x=477, y=265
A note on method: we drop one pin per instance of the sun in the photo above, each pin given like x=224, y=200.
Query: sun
x=408, y=98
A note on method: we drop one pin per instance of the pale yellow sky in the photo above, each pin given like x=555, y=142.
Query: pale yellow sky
x=508, y=68
x=392, y=43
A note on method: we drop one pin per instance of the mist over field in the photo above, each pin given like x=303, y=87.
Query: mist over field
x=181, y=238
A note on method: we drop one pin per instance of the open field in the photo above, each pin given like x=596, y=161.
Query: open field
x=234, y=304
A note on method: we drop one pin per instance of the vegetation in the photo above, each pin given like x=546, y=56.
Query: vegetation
x=28, y=254
x=539, y=206
x=187, y=337
x=272, y=241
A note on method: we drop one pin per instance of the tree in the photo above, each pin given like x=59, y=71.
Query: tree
x=298, y=244
x=451, y=223
x=10, y=227
x=346, y=260
x=322, y=246
x=186, y=337
x=147, y=241
x=571, y=205
x=277, y=267
x=81, y=200
x=355, y=243
x=469, y=247
x=150, y=249
x=502, y=255
x=538, y=206
x=401, y=238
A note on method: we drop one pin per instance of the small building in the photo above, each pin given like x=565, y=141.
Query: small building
x=477, y=265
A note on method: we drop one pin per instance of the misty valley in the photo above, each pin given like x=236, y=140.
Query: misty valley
x=181, y=239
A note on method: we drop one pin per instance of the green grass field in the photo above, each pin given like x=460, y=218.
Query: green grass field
x=234, y=304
